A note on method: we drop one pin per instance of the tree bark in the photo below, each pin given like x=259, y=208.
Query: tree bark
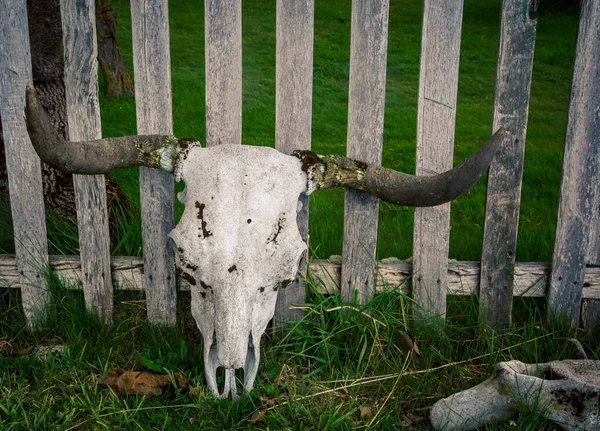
x=45, y=32
x=116, y=77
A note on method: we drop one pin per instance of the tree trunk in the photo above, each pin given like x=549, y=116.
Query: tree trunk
x=45, y=32
x=113, y=68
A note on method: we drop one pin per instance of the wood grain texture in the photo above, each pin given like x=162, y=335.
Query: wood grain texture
x=511, y=107
x=580, y=170
x=223, y=53
x=293, y=117
x=151, y=63
x=83, y=112
x=463, y=277
x=590, y=309
x=368, y=56
x=436, y=113
x=23, y=165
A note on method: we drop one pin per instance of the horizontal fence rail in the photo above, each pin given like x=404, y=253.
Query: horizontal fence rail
x=571, y=282
x=531, y=278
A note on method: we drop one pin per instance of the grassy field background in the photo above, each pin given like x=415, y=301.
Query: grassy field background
x=556, y=34
x=549, y=101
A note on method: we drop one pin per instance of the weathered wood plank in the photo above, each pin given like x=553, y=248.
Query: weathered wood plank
x=293, y=116
x=152, y=66
x=438, y=87
x=590, y=308
x=23, y=165
x=511, y=107
x=83, y=112
x=463, y=277
x=580, y=170
x=368, y=55
x=223, y=51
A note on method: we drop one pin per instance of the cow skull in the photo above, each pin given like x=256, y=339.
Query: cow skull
x=238, y=241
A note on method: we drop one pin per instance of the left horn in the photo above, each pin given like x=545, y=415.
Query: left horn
x=397, y=187
x=100, y=156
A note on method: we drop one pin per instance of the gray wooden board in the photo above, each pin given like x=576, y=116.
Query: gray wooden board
x=151, y=63
x=23, y=165
x=293, y=115
x=368, y=55
x=223, y=53
x=438, y=86
x=590, y=310
x=511, y=106
x=83, y=111
x=463, y=277
x=580, y=170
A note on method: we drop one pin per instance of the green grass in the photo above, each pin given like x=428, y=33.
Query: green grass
x=316, y=374
x=547, y=118
x=555, y=43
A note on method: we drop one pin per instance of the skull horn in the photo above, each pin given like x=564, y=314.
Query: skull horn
x=397, y=187
x=100, y=156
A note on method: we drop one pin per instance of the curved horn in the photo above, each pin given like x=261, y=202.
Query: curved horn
x=397, y=187
x=100, y=156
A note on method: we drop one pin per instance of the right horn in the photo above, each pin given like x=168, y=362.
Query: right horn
x=100, y=156
x=397, y=187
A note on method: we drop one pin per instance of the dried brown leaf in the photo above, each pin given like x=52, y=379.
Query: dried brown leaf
x=366, y=412
x=269, y=402
x=412, y=345
x=257, y=415
x=142, y=383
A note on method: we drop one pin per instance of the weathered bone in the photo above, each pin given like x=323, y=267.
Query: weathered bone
x=397, y=187
x=238, y=243
x=565, y=392
x=103, y=155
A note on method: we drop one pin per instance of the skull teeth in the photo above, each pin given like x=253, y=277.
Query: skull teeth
x=211, y=365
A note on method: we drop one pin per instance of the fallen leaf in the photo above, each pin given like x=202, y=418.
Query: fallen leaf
x=257, y=415
x=269, y=402
x=366, y=411
x=412, y=345
x=143, y=383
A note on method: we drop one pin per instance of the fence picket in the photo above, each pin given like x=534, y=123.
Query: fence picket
x=438, y=86
x=223, y=51
x=152, y=66
x=580, y=170
x=511, y=106
x=23, y=165
x=83, y=111
x=293, y=115
x=368, y=56
x=590, y=308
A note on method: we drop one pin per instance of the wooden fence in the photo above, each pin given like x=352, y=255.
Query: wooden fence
x=571, y=283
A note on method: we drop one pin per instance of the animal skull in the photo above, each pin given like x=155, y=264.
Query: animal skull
x=238, y=241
